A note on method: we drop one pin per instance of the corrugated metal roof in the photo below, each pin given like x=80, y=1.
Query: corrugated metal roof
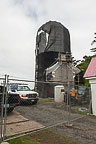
x=91, y=70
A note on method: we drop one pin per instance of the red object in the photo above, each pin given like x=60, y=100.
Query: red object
x=91, y=70
x=19, y=99
x=62, y=90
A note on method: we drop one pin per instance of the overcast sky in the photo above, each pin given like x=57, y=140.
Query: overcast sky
x=20, y=20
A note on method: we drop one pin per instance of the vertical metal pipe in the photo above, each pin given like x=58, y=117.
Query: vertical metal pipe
x=68, y=104
x=68, y=96
x=5, y=116
x=69, y=101
x=2, y=110
x=90, y=101
x=67, y=91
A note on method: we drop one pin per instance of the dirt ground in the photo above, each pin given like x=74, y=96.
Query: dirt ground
x=50, y=113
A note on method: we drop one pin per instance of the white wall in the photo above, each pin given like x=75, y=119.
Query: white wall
x=93, y=92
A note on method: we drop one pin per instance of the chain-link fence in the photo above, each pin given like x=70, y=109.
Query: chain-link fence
x=27, y=106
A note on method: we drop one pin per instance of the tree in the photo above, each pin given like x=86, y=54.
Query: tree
x=84, y=65
x=75, y=62
x=93, y=42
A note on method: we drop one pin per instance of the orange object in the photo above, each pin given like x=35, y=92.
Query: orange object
x=72, y=92
x=76, y=93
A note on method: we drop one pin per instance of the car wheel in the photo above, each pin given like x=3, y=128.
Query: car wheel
x=35, y=102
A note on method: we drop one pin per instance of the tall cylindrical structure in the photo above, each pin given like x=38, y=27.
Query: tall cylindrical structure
x=52, y=40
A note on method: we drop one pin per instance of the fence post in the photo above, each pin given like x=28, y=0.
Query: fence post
x=68, y=104
x=5, y=106
x=90, y=101
x=2, y=109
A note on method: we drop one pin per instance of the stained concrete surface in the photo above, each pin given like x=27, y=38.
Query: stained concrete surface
x=17, y=124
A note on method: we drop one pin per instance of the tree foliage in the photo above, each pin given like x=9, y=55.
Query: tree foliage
x=84, y=65
x=75, y=62
x=93, y=42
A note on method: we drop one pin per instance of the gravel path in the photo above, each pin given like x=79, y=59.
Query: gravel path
x=50, y=113
x=46, y=113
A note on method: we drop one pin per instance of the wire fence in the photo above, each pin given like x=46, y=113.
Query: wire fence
x=29, y=106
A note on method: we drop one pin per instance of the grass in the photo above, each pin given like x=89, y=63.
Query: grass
x=22, y=140
x=92, y=116
x=43, y=137
x=81, y=112
x=45, y=100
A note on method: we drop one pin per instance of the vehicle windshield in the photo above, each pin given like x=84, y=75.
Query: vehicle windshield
x=23, y=88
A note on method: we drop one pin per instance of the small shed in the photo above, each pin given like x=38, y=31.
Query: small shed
x=90, y=74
